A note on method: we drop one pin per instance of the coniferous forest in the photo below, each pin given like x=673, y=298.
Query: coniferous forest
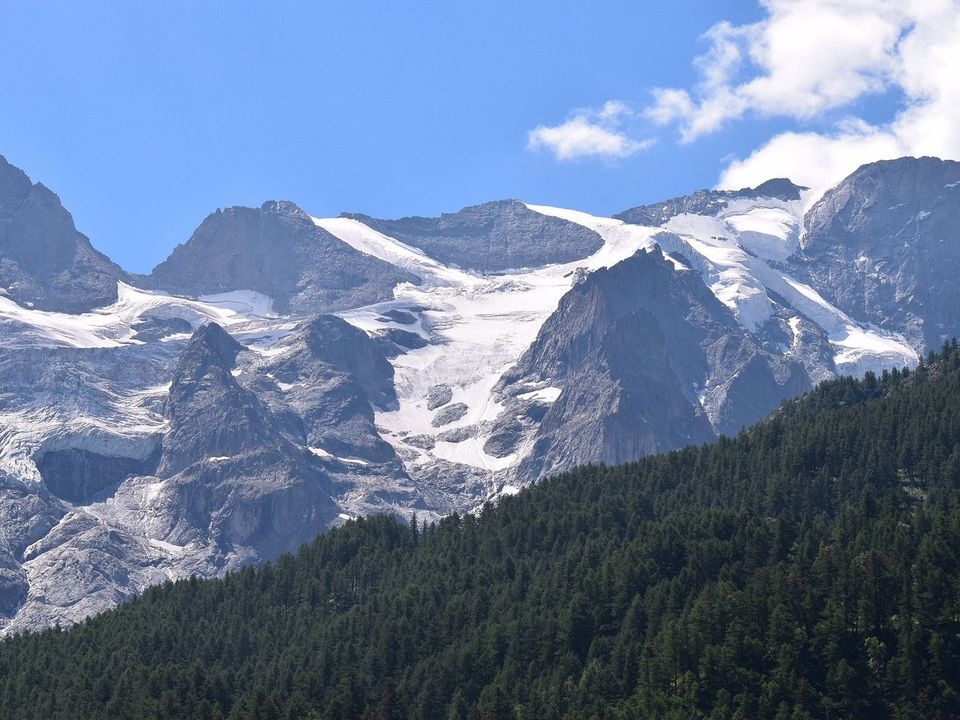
x=806, y=569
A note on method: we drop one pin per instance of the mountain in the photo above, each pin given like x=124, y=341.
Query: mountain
x=278, y=251
x=882, y=246
x=651, y=361
x=44, y=262
x=806, y=568
x=280, y=373
x=492, y=237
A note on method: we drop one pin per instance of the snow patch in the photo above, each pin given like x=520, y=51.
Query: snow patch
x=170, y=548
x=370, y=242
x=320, y=452
x=242, y=302
x=547, y=394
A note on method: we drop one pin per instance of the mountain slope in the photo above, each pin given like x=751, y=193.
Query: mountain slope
x=805, y=569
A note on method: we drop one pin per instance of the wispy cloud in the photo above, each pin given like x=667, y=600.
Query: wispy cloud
x=589, y=133
x=812, y=59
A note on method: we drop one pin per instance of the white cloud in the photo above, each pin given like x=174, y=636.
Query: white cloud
x=589, y=133
x=816, y=160
x=807, y=58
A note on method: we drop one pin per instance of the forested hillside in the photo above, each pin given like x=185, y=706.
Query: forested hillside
x=806, y=569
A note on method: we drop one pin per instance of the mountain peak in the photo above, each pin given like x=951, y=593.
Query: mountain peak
x=491, y=237
x=283, y=207
x=44, y=261
x=780, y=188
x=279, y=251
x=213, y=338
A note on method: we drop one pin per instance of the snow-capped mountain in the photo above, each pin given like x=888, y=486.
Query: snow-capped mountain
x=280, y=373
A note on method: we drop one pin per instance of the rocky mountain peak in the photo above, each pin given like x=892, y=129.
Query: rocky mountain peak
x=44, y=261
x=780, y=188
x=208, y=412
x=210, y=343
x=279, y=251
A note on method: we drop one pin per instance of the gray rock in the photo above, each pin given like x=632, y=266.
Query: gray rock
x=424, y=442
x=493, y=236
x=394, y=341
x=399, y=316
x=458, y=435
x=505, y=440
x=336, y=376
x=78, y=475
x=438, y=396
x=13, y=587
x=155, y=328
x=209, y=414
x=449, y=414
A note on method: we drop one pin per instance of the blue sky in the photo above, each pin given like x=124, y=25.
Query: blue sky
x=144, y=117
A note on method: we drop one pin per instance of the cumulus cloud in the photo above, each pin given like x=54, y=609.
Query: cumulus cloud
x=588, y=133
x=813, y=59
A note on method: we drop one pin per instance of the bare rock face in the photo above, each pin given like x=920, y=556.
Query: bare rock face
x=331, y=378
x=276, y=250
x=395, y=341
x=649, y=361
x=44, y=262
x=884, y=246
x=493, y=236
x=438, y=396
x=505, y=439
x=79, y=475
x=210, y=415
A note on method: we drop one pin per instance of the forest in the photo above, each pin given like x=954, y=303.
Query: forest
x=807, y=568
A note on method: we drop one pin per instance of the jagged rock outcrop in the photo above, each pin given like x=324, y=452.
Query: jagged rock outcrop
x=238, y=479
x=44, y=262
x=332, y=376
x=209, y=413
x=492, y=237
x=276, y=250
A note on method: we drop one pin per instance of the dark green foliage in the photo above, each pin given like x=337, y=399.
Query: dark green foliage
x=809, y=568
